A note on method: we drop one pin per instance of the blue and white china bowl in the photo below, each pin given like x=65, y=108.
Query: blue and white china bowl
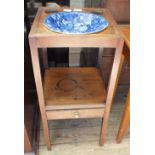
x=75, y=22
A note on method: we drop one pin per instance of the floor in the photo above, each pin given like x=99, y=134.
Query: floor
x=81, y=137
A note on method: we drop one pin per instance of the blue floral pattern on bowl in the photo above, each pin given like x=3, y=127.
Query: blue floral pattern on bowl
x=75, y=22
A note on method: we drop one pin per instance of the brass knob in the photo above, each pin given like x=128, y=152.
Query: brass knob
x=76, y=114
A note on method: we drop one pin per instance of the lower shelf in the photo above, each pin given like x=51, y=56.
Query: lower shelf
x=76, y=87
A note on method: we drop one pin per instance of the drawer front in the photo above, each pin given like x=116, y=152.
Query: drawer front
x=74, y=114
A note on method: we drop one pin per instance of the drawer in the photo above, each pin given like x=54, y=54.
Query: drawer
x=75, y=114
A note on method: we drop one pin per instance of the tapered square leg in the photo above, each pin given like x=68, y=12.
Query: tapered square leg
x=39, y=88
x=111, y=88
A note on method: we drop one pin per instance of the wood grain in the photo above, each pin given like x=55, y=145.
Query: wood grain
x=111, y=89
x=38, y=81
x=126, y=115
x=75, y=114
x=120, y=9
x=73, y=86
x=125, y=31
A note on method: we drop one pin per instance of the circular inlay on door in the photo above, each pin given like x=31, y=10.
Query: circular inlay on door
x=67, y=84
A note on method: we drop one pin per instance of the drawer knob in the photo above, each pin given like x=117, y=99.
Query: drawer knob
x=76, y=114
